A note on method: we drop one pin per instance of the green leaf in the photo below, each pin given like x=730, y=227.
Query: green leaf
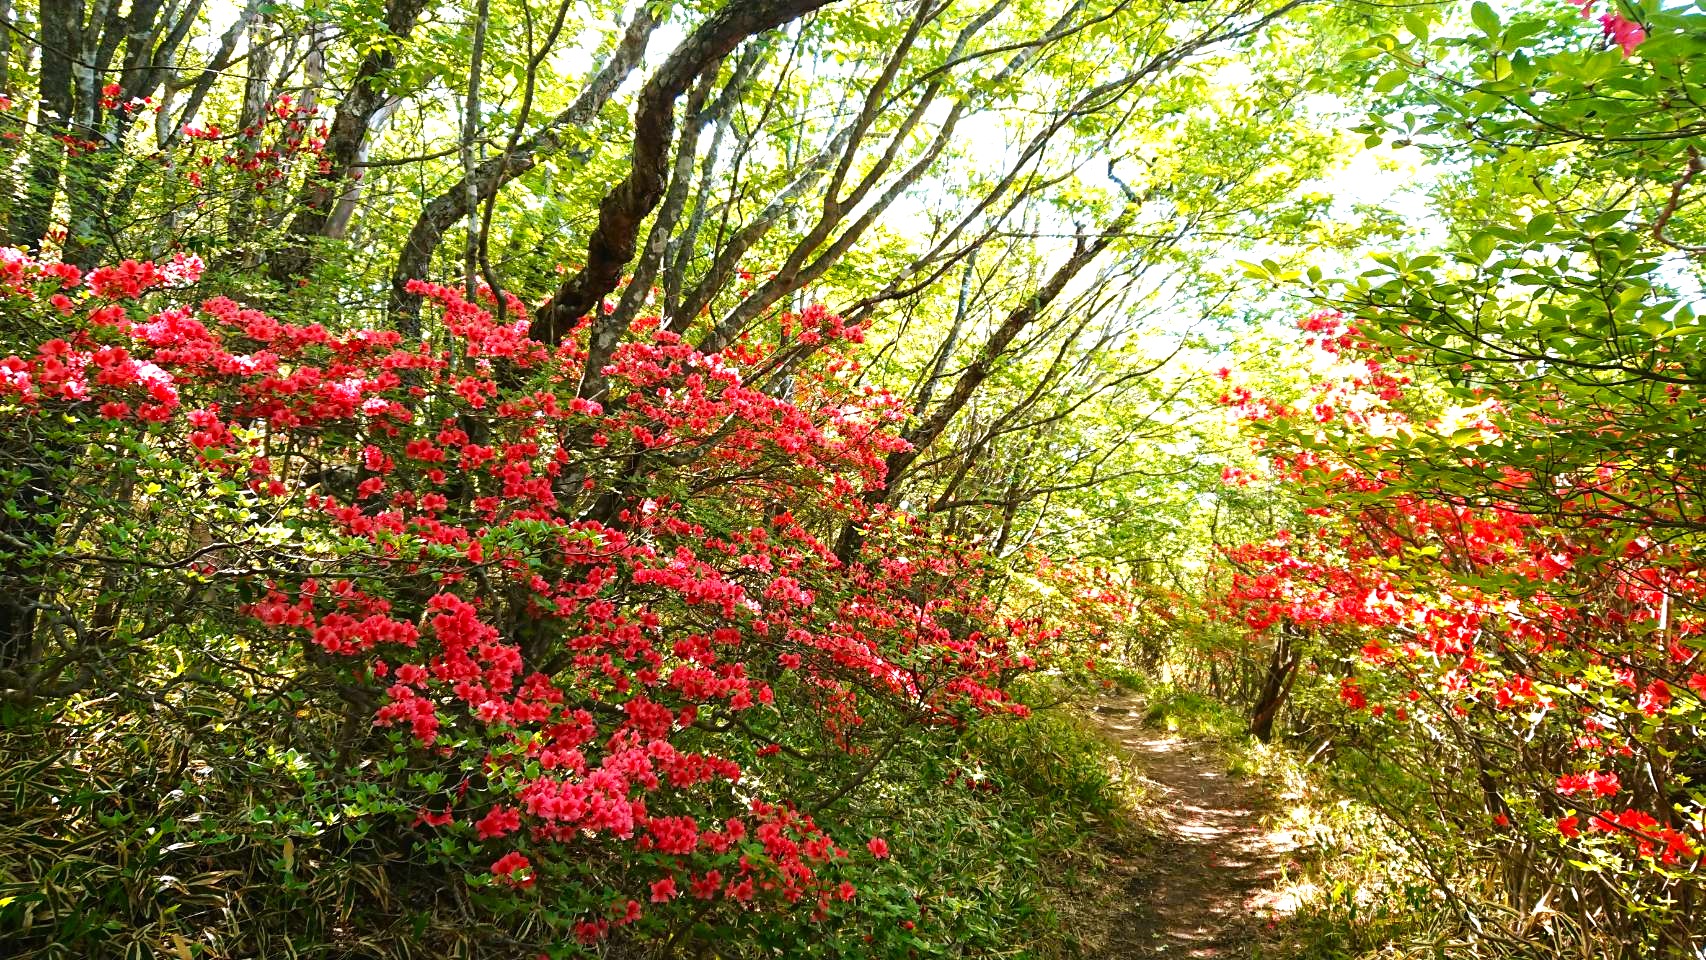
x=1606, y=220
x=1390, y=80
x=1485, y=19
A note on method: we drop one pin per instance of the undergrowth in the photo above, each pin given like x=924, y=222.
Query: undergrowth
x=114, y=841
x=1358, y=888
x=1058, y=804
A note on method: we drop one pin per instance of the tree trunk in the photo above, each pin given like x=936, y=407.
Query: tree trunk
x=1282, y=672
x=349, y=131
x=620, y=213
x=925, y=432
x=33, y=214
x=251, y=123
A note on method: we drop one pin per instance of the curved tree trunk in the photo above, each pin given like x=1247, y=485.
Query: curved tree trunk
x=622, y=210
x=922, y=435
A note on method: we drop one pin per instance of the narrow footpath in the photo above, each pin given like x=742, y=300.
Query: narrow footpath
x=1207, y=886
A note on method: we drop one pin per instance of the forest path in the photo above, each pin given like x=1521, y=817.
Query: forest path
x=1207, y=886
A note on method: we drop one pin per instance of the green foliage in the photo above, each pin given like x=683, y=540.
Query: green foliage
x=1000, y=826
x=1192, y=714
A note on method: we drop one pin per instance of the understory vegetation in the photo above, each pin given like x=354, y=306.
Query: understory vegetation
x=586, y=478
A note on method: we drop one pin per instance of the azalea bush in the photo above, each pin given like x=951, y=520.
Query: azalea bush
x=1487, y=585
x=1524, y=682
x=595, y=658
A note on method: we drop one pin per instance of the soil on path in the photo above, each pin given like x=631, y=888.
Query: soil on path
x=1206, y=886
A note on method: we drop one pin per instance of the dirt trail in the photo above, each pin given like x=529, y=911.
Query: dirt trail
x=1206, y=887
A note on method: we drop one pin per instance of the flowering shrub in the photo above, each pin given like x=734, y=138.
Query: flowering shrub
x=604, y=658
x=1522, y=639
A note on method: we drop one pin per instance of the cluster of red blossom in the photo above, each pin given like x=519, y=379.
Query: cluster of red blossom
x=1626, y=33
x=258, y=160
x=112, y=99
x=582, y=683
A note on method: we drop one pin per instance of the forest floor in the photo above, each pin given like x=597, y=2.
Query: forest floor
x=1208, y=880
